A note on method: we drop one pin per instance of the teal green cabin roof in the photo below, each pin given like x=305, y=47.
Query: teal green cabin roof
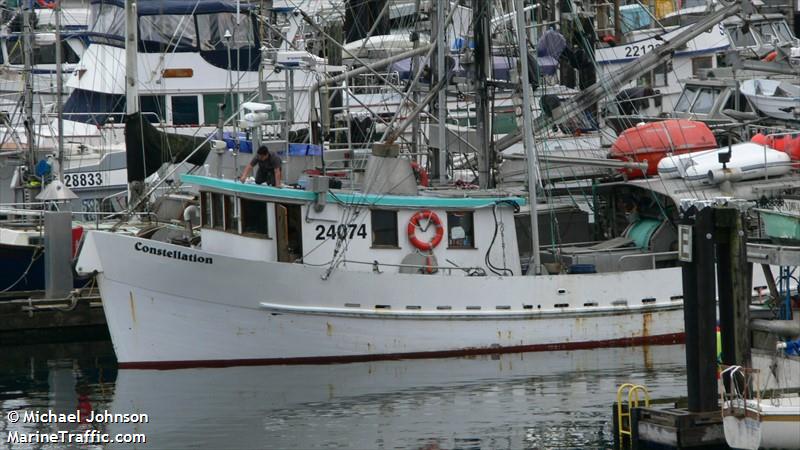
x=354, y=198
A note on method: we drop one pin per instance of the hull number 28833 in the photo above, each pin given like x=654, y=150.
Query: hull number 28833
x=83, y=179
x=349, y=231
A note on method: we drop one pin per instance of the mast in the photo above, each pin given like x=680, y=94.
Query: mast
x=480, y=24
x=59, y=91
x=27, y=53
x=56, y=190
x=131, y=75
x=530, y=149
x=441, y=49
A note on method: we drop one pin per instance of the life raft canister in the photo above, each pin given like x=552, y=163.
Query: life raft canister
x=413, y=224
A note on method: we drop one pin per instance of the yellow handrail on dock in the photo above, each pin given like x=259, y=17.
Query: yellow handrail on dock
x=624, y=410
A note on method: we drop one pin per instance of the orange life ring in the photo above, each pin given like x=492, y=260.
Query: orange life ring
x=413, y=224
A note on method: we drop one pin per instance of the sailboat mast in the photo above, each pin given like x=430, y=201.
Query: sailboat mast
x=530, y=148
x=131, y=78
x=480, y=24
x=131, y=75
x=59, y=91
x=27, y=53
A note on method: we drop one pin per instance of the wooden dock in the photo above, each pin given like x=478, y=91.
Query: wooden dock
x=33, y=318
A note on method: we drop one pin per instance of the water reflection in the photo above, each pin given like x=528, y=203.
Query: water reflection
x=533, y=400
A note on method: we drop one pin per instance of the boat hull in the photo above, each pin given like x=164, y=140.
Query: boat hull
x=166, y=312
x=764, y=424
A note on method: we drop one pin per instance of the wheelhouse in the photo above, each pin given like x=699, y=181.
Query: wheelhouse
x=367, y=232
x=762, y=33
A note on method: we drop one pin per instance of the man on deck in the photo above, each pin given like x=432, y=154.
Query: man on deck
x=269, y=168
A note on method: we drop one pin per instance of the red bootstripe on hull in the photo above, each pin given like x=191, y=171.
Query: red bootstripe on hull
x=664, y=339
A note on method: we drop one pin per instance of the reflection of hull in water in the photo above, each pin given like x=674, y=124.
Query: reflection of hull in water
x=393, y=401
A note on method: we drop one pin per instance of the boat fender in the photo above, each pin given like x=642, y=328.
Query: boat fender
x=717, y=176
x=413, y=224
x=770, y=56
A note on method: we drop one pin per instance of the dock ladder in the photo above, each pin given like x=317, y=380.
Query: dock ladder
x=625, y=427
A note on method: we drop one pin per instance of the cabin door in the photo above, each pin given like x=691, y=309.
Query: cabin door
x=282, y=232
x=289, y=230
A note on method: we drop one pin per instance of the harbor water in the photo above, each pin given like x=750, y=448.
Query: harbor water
x=527, y=400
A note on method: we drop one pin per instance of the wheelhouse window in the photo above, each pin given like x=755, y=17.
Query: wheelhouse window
x=153, y=107
x=217, y=211
x=213, y=27
x=211, y=107
x=740, y=38
x=744, y=105
x=460, y=232
x=705, y=100
x=254, y=218
x=184, y=110
x=205, y=209
x=167, y=33
x=782, y=30
x=700, y=63
x=42, y=54
x=686, y=99
x=231, y=214
x=384, y=228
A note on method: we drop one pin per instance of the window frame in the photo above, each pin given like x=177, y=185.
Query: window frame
x=374, y=245
x=231, y=214
x=171, y=100
x=470, y=235
x=205, y=203
x=242, y=221
x=215, y=213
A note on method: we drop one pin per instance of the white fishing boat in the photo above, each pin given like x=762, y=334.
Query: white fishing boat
x=294, y=276
x=289, y=276
x=773, y=98
x=398, y=285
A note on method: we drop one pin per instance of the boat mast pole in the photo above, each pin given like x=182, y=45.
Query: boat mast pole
x=530, y=148
x=441, y=53
x=27, y=53
x=483, y=127
x=415, y=63
x=131, y=75
x=59, y=93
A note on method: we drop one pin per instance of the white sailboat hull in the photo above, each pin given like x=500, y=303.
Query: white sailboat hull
x=194, y=308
